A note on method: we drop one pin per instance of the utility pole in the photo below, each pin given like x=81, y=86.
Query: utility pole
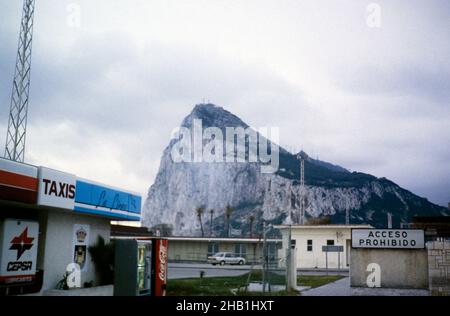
x=211, y=212
x=389, y=218
x=347, y=217
x=264, y=258
x=292, y=215
x=17, y=121
x=288, y=258
x=265, y=274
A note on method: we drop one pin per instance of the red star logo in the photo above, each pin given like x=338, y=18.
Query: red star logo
x=21, y=243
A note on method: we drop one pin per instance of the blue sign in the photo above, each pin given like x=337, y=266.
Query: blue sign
x=103, y=200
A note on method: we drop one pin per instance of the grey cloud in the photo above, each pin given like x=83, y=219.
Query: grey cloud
x=390, y=116
x=105, y=81
x=406, y=80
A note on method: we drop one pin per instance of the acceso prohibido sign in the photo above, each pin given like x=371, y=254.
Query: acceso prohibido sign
x=388, y=238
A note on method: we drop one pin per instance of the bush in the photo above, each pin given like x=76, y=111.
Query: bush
x=102, y=255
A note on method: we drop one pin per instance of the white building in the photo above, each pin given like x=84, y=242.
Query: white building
x=309, y=240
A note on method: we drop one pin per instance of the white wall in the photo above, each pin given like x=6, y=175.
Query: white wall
x=316, y=258
x=58, y=248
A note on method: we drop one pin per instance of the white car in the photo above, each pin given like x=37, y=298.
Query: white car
x=225, y=258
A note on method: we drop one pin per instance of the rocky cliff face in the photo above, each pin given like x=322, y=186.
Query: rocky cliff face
x=181, y=187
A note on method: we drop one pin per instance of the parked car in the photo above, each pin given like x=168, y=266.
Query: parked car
x=225, y=258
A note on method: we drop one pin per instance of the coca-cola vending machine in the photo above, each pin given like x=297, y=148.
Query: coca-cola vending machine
x=159, y=266
x=140, y=267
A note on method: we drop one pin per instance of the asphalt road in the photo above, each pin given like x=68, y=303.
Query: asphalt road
x=192, y=270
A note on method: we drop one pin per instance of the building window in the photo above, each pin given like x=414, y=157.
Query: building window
x=310, y=245
x=240, y=250
x=330, y=242
x=213, y=248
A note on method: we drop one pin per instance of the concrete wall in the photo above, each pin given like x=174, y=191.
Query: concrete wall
x=187, y=250
x=58, y=247
x=399, y=268
x=316, y=258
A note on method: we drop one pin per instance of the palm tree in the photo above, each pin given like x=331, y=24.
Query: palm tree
x=228, y=212
x=211, y=213
x=251, y=219
x=200, y=211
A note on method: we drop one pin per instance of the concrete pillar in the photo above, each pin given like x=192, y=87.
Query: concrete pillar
x=291, y=269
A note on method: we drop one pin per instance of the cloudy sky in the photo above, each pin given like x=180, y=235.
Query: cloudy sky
x=361, y=85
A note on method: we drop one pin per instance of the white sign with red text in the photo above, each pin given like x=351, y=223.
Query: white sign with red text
x=19, y=244
x=56, y=188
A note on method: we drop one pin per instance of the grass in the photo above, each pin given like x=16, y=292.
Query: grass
x=317, y=280
x=224, y=286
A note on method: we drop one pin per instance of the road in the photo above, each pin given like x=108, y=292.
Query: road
x=192, y=270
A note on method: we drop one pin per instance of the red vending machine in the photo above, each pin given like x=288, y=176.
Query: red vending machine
x=159, y=266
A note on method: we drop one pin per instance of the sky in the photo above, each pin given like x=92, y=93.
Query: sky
x=362, y=84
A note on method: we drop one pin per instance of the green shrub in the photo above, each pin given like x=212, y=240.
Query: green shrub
x=102, y=255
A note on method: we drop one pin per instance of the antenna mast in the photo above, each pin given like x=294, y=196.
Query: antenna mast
x=302, y=190
x=17, y=124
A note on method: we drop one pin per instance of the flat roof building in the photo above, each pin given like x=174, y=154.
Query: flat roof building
x=309, y=241
x=197, y=249
x=435, y=227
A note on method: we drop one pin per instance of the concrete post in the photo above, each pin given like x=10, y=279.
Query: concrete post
x=291, y=265
x=264, y=276
x=291, y=280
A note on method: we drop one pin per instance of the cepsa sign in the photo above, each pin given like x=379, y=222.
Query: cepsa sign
x=56, y=188
x=388, y=238
x=19, y=250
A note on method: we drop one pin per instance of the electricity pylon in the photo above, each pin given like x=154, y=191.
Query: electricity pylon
x=17, y=122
